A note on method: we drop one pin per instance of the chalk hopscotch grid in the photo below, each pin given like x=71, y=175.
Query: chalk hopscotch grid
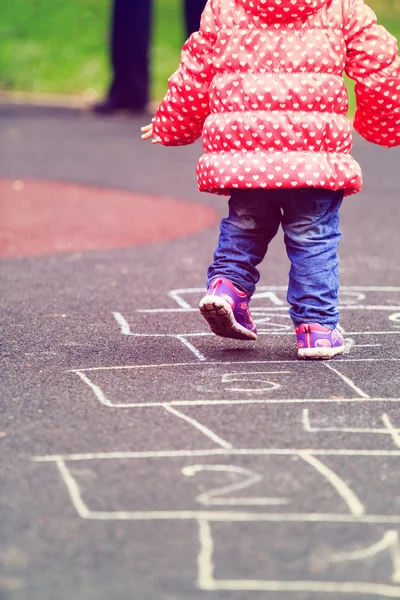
x=390, y=542
x=357, y=396
x=204, y=518
x=227, y=449
x=352, y=299
x=356, y=512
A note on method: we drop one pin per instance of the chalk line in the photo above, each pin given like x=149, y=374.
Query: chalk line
x=272, y=309
x=301, y=364
x=312, y=429
x=96, y=389
x=160, y=454
x=205, y=430
x=343, y=490
x=393, y=432
x=327, y=587
x=389, y=542
x=73, y=490
x=205, y=566
x=348, y=381
x=192, y=348
x=123, y=323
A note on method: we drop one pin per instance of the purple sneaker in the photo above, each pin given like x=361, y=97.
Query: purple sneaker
x=226, y=309
x=316, y=341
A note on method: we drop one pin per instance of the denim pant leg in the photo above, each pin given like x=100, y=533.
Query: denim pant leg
x=253, y=221
x=311, y=226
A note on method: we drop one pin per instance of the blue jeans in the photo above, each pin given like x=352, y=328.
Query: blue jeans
x=310, y=221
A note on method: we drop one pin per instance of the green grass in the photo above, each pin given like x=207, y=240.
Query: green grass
x=61, y=47
x=50, y=46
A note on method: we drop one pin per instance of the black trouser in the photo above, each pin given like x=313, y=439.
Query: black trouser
x=193, y=10
x=130, y=43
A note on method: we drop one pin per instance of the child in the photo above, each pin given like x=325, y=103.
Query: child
x=262, y=83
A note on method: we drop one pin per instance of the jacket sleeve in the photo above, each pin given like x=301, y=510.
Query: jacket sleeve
x=180, y=116
x=373, y=62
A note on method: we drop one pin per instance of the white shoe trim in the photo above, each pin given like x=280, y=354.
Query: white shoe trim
x=321, y=352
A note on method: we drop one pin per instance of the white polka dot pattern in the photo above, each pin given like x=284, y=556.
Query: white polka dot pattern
x=262, y=83
x=374, y=64
x=281, y=10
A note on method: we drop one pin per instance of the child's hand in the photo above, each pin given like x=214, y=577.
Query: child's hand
x=148, y=133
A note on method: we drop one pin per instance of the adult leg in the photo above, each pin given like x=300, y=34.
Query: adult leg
x=253, y=220
x=130, y=41
x=193, y=10
x=311, y=226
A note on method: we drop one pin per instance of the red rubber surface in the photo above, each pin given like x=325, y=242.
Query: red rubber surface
x=48, y=217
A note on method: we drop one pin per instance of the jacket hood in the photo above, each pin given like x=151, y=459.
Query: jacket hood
x=277, y=10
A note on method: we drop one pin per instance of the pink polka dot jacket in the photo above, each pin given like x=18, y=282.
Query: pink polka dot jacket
x=262, y=83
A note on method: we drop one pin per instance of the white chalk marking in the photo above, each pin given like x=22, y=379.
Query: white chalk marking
x=367, y=307
x=367, y=345
x=272, y=309
x=372, y=333
x=106, y=402
x=240, y=517
x=125, y=330
x=283, y=288
x=255, y=401
x=393, y=432
x=154, y=335
x=96, y=389
x=217, y=496
x=192, y=348
x=266, y=384
x=176, y=295
x=207, y=432
x=390, y=542
x=271, y=296
x=340, y=328
x=161, y=454
x=123, y=323
x=205, y=566
x=272, y=386
x=348, y=381
x=395, y=317
x=227, y=377
x=311, y=429
x=371, y=288
x=207, y=582
x=73, y=490
x=239, y=402
x=344, y=491
x=228, y=362
x=327, y=587
x=271, y=327
x=348, y=345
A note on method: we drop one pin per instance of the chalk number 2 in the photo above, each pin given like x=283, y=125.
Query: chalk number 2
x=220, y=496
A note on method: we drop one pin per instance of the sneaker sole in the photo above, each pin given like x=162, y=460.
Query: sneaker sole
x=221, y=319
x=319, y=353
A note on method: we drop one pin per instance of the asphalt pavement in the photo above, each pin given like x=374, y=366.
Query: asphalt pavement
x=142, y=458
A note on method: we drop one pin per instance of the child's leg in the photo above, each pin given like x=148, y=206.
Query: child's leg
x=311, y=225
x=253, y=221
